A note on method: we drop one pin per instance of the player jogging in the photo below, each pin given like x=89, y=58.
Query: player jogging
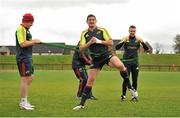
x=131, y=45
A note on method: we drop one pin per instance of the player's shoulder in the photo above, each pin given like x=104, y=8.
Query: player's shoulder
x=102, y=29
x=138, y=38
x=20, y=28
x=125, y=39
x=84, y=31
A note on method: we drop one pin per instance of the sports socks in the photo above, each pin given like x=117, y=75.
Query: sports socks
x=24, y=99
x=126, y=82
x=85, y=94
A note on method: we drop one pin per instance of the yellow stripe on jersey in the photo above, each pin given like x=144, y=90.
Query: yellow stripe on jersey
x=21, y=34
x=105, y=34
x=139, y=39
x=124, y=39
x=83, y=39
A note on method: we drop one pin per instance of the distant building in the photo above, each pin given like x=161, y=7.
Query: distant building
x=48, y=50
x=37, y=50
x=4, y=50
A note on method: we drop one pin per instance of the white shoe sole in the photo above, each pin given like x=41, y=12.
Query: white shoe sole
x=78, y=107
x=26, y=108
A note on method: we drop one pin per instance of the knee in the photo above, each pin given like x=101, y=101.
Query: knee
x=90, y=81
x=29, y=83
x=30, y=79
x=123, y=69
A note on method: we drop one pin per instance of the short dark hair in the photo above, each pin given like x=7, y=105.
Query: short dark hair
x=132, y=26
x=90, y=15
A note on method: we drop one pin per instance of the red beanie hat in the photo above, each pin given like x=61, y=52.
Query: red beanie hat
x=28, y=18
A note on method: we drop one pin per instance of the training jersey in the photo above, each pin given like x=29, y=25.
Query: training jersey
x=101, y=34
x=80, y=59
x=22, y=34
x=131, y=46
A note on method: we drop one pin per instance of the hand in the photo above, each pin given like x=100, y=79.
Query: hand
x=97, y=40
x=36, y=41
x=93, y=40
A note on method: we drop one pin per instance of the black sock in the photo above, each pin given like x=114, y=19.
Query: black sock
x=124, y=87
x=125, y=76
x=85, y=94
x=90, y=94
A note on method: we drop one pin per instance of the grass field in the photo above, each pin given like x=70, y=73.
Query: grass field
x=54, y=94
x=155, y=59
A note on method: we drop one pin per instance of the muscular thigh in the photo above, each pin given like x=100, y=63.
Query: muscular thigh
x=116, y=62
x=92, y=74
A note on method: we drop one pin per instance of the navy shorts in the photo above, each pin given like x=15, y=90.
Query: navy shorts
x=99, y=62
x=25, y=68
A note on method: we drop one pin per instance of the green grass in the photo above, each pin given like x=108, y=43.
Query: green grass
x=161, y=59
x=45, y=59
x=54, y=94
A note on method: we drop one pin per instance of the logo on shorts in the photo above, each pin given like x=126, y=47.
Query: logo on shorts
x=92, y=65
x=28, y=72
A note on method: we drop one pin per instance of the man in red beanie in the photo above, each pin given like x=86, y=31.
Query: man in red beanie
x=24, y=43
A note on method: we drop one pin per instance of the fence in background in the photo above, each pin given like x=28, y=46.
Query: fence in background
x=168, y=68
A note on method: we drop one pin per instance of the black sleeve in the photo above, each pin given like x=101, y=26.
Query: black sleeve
x=118, y=46
x=145, y=46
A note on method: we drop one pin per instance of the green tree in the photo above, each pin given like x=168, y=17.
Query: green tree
x=177, y=43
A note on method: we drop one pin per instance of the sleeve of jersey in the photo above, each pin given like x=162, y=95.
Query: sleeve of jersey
x=21, y=35
x=83, y=40
x=139, y=39
x=120, y=44
x=145, y=46
x=106, y=35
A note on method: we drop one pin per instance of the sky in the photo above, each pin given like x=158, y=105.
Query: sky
x=157, y=21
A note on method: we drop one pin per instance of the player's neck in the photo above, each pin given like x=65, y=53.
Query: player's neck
x=92, y=28
x=24, y=25
x=131, y=37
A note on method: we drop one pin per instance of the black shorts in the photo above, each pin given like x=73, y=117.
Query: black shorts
x=99, y=62
x=25, y=67
x=133, y=67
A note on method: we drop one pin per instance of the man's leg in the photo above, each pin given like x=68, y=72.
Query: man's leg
x=125, y=83
x=23, y=89
x=91, y=78
x=85, y=77
x=135, y=71
x=78, y=75
x=25, y=70
x=115, y=62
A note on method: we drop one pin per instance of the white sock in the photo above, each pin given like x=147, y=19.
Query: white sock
x=24, y=99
